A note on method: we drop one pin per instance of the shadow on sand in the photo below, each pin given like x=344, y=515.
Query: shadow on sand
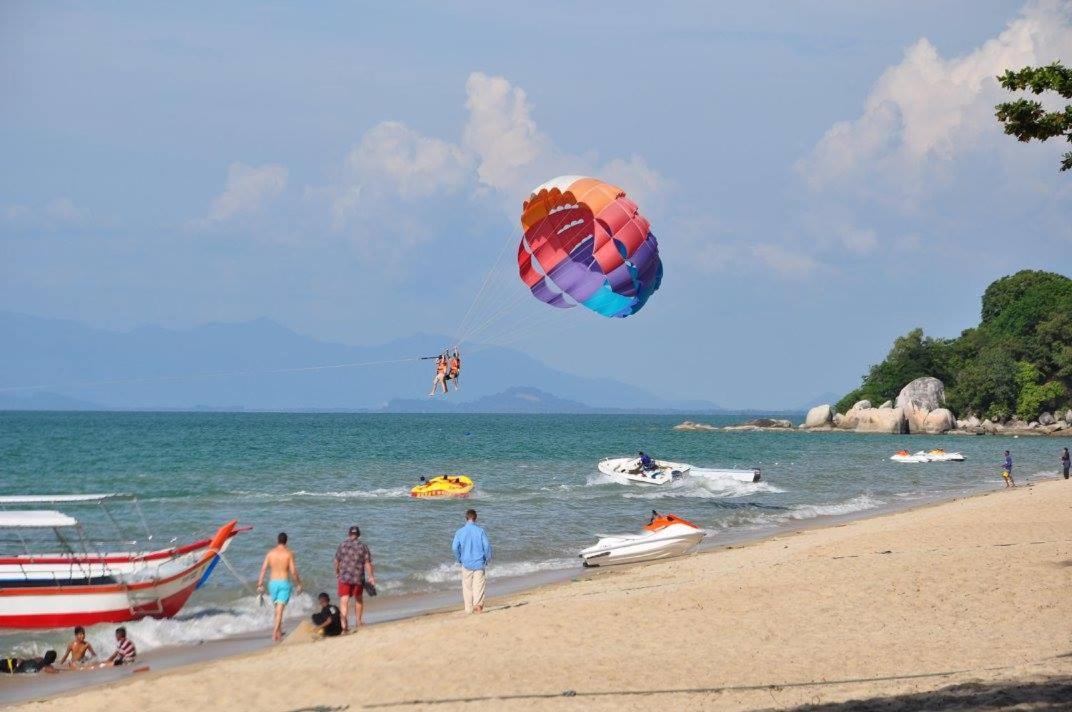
x=1047, y=695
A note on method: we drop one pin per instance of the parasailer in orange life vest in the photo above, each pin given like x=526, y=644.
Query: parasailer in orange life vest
x=454, y=368
x=440, y=375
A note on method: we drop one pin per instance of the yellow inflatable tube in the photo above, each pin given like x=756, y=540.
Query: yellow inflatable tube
x=444, y=486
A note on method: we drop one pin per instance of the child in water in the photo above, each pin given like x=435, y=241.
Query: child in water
x=79, y=650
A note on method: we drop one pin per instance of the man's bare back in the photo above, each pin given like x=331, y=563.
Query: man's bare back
x=280, y=563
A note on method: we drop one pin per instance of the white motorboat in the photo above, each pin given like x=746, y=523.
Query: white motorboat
x=665, y=536
x=629, y=468
x=936, y=455
x=904, y=456
x=940, y=455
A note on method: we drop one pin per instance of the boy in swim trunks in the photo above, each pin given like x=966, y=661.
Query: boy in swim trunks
x=79, y=649
x=280, y=561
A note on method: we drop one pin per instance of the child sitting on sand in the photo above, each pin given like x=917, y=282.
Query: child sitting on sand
x=79, y=649
x=328, y=621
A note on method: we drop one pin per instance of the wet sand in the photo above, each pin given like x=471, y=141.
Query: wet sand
x=955, y=605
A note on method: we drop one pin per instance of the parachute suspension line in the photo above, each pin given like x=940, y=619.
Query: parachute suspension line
x=489, y=324
x=216, y=374
x=460, y=332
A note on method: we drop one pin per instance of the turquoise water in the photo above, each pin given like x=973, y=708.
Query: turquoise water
x=538, y=491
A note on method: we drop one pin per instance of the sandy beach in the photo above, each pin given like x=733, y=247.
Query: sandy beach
x=961, y=603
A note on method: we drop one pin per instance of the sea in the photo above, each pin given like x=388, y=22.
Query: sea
x=538, y=493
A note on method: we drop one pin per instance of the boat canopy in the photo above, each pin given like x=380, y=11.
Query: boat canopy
x=43, y=519
x=62, y=498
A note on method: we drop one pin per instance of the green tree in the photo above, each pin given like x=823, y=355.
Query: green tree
x=1026, y=119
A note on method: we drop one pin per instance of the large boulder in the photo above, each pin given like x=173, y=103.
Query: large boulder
x=880, y=420
x=1068, y=416
x=939, y=420
x=973, y=422
x=1046, y=419
x=861, y=405
x=919, y=398
x=821, y=416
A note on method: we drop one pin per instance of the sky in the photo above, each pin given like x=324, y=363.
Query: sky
x=822, y=176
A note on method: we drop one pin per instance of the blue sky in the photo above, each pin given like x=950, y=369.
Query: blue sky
x=822, y=177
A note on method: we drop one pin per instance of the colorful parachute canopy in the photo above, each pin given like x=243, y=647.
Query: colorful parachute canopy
x=586, y=243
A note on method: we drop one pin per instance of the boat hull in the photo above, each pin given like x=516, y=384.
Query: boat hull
x=158, y=590
x=627, y=468
x=675, y=540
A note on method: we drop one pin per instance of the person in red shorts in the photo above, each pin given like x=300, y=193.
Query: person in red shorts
x=353, y=567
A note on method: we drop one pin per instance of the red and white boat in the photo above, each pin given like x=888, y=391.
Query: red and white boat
x=83, y=586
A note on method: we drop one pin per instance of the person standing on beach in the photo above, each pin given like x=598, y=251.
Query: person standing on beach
x=280, y=561
x=1007, y=471
x=353, y=566
x=473, y=551
x=1065, y=462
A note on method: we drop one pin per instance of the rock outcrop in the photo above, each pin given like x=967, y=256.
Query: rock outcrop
x=821, y=416
x=939, y=420
x=1046, y=419
x=887, y=404
x=861, y=405
x=919, y=398
x=689, y=425
x=878, y=420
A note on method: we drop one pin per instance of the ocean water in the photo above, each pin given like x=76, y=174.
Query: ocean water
x=538, y=491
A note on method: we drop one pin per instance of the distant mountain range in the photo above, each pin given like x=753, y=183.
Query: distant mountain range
x=262, y=365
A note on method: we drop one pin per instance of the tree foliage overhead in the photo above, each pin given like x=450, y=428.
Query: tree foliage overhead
x=1027, y=119
x=1018, y=361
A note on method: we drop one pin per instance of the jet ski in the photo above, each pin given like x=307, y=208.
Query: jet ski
x=940, y=455
x=903, y=456
x=665, y=536
x=444, y=486
x=630, y=469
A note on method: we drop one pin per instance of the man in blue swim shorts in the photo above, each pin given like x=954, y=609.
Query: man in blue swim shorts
x=280, y=562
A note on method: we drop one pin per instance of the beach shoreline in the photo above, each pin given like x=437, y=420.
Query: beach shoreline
x=551, y=587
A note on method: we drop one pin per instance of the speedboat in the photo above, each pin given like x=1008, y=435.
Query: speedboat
x=940, y=455
x=629, y=468
x=903, y=456
x=83, y=585
x=665, y=536
x=444, y=486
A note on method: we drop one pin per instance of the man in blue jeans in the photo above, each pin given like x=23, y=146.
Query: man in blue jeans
x=473, y=551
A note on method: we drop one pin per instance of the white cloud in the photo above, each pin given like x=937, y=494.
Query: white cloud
x=784, y=261
x=503, y=134
x=501, y=152
x=411, y=165
x=248, y=189
x=928, y=110
x=57, y=213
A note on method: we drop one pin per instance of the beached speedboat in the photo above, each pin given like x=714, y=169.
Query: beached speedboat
x=940, y=455
x=83, y=585
x=666, y=535
x=629, y=468
x=444, y=486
